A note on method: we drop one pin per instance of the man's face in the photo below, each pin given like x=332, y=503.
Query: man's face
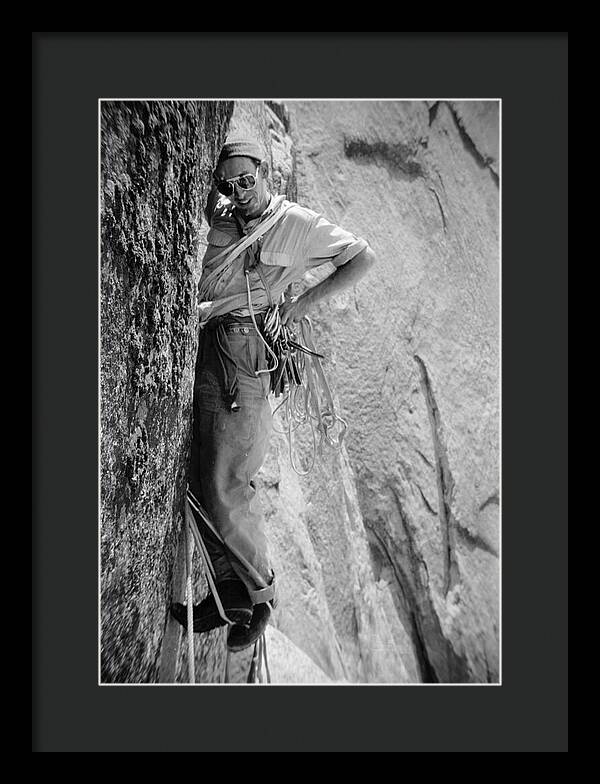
x=252, y=202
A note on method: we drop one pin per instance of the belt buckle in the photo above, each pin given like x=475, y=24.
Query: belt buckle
x=238, y=329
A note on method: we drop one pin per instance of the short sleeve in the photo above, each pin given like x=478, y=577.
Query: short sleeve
x=327, y=242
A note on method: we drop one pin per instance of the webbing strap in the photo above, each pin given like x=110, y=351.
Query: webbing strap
x=258, y=332
x=229, y=254
x=210, y=573
x=257, y=577
x=262, y=594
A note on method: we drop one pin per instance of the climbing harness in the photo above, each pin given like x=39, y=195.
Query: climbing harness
x=193, y=537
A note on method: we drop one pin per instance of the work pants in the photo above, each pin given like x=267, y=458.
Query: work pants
x=229, y=445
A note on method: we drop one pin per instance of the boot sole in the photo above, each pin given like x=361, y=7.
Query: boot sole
x=247, y=642
x=239, y=616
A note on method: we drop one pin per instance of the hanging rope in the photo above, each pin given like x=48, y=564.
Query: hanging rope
x=192, y=535
x=189, y=552
x=226, y=675
x=259, y=666
x=301, y=382
x=208, y=567
x=296, y=373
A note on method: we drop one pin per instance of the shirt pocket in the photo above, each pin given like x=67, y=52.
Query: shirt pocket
x=219, y=238
x=275, y=258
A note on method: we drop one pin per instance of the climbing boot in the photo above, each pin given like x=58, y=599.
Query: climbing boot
x=236, y=603
x=241, y=637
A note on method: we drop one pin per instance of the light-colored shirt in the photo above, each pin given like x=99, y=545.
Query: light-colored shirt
x=300, y=240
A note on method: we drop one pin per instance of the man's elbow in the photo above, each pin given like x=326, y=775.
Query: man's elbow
x=369, y=257
x=359, y=265
x=364, y=260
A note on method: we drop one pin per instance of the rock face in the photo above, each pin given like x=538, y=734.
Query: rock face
x=289, y=665
x=414, y=356
x=386, y=554
x=156, y=162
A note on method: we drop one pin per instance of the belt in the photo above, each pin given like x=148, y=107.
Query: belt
x=241, y=324
x=238, y=329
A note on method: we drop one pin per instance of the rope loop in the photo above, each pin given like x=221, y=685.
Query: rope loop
x=298, y=378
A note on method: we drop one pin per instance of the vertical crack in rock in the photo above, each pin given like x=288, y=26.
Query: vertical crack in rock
x=426, y=501
x=482, y=160
x=435, y=656
x=433, y=110
x=408, y=614
x=437, y=198
x=427, y=670
x=425, y=460
x=435, y=650
x=444, y=480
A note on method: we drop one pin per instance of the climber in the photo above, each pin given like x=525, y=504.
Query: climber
x=258, y=245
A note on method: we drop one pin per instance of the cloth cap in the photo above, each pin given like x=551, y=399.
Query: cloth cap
x=248, y=148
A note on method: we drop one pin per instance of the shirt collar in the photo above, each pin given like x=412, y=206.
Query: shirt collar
x=248, y=226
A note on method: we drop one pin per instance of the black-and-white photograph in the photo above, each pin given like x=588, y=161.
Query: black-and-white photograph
x=299, y=395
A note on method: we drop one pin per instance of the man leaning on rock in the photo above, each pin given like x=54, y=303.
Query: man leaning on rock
x=259, y=244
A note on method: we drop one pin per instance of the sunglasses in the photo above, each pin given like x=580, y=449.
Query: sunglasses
x=245, y=181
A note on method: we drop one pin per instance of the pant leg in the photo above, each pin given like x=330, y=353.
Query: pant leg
x=228, y=449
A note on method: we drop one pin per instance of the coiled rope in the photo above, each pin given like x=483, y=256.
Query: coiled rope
x=297, y=374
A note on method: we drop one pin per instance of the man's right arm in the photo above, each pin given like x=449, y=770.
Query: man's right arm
x=327, y=242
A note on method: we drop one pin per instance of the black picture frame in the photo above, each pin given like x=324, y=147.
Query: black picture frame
x=529, y=73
